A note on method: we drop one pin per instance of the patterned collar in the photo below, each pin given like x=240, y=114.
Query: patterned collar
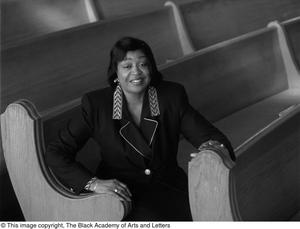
x=118, y=102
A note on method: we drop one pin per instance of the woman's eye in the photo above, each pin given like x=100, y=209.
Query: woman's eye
x=144, y=64
x=127, y=66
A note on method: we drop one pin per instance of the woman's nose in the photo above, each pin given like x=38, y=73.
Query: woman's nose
x=136, y=69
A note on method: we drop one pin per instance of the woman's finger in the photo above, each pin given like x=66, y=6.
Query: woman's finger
x=122, y=186
x=126, y=188
x=121, y=193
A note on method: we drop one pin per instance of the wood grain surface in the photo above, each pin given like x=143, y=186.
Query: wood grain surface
x=209, y=188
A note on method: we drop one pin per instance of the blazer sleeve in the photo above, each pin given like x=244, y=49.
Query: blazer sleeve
x=197, y=129
x=61, y=154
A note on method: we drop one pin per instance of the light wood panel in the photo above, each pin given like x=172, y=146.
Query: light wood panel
x=21, y=143
x=211, y=21
x=209, y=188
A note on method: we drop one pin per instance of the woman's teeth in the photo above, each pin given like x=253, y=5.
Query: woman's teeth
x=137, y=81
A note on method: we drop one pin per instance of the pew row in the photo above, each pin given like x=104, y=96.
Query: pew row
x=40, y=195
x=240, y=85
x=264, y=185
x=211, y=22
x=23, y=20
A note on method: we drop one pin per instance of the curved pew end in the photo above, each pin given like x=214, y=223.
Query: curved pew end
x=39, y=195
x=209, y=184
x=289, y=60
x=185, y=40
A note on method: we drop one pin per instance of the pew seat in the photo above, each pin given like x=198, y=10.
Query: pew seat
x=264, y=185
x=241, y=126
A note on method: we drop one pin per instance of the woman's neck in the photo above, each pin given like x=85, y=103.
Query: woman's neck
x=135, y=105
x=134, y=99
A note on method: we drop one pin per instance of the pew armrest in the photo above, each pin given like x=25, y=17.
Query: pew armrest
x=39, y=196
x=209, y=188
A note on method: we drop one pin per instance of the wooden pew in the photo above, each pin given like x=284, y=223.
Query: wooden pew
x=240, y=85
x=40, y=194
x=22, y=20
x=292, y=31
x=213, y=21
x=264, y=185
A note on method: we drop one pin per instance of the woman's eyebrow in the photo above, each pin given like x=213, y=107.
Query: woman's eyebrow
x=139, y=57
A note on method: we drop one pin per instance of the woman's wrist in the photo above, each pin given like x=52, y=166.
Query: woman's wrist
x=213, y=145
x=91, y=184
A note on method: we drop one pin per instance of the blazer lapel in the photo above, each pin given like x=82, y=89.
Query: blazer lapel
x=140, y=139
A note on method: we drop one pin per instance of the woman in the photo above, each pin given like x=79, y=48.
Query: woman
x=137, y=122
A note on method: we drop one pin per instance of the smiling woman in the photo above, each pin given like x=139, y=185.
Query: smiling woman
x=137, y=122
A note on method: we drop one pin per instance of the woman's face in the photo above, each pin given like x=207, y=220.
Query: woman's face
x=133, y=73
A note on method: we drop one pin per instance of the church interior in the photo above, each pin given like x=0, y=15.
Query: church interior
x=238, y=60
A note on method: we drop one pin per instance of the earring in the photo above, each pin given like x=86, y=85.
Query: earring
x=116, y=80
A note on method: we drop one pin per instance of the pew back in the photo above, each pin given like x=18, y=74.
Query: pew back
x=237, y=73
x=72, y=62
x=117, y=8
x=213, y=21
x=25, y=19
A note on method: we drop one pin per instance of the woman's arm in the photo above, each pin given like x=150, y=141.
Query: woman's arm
x=198, y=130
x=61, y=154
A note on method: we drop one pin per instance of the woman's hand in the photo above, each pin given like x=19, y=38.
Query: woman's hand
x=113, y=187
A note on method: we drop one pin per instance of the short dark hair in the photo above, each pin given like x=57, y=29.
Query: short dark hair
x=119, y=51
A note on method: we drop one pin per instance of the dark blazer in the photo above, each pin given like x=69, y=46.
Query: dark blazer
x=129, y=153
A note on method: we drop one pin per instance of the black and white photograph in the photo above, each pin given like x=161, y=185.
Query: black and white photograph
x=149, y=113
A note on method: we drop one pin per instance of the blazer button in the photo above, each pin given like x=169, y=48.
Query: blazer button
x=147, y=172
